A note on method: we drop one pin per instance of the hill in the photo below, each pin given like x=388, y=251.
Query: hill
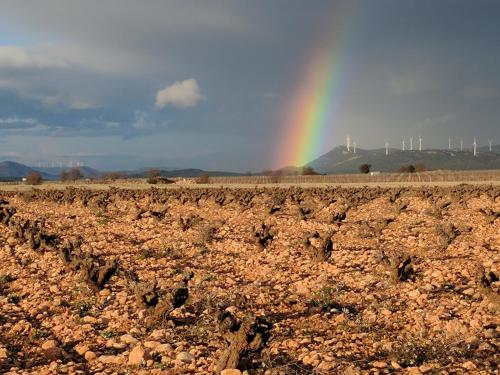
x=339, y=160
x=10, y=170
x=190, y=172
x=54, y=172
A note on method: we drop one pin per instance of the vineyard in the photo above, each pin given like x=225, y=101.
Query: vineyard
x=260, y=280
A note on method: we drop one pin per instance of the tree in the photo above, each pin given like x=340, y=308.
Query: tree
x=74, y=174
x=34, y=178
x=204, y=178
x=407, y=169
x=365, y=168
x=308, y=171
x=420, y=167
x=63, y=175
x=153, y=175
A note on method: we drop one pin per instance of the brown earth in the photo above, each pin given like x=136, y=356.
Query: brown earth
x=266, y=281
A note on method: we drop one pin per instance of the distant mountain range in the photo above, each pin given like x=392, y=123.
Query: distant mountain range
x=339, y=160
x=10, y=170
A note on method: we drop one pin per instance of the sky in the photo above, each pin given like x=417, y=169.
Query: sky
x=122, y=84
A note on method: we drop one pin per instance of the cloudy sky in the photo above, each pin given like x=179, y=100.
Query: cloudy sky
x=127, y=84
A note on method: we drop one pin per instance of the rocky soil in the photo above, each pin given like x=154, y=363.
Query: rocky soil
x=256, y=281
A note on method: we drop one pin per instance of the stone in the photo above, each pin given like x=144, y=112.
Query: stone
x=128, y=339
x=469, y=365
x=231, y=371
x=414, y=294
x=53, y=353
x=110, y=359
x=185, y=357
x=469, y=292
x=413, y=371
x=49, y=344
x=379, y=364
x=151, y=344
x=90, y=356
x=395, y=365
x=138, y=355
x=164, y=348
x=81, y=349
x=89, y=319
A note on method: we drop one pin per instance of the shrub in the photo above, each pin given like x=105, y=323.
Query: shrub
x=63, y=176
x=72, y=175
x=407, y=169
x=365, y=168
x=204, y=178
x=309, y=171
x=420, y=167
x=275, y=177
x=112, y=176
x=34, y=178
x=153, y=173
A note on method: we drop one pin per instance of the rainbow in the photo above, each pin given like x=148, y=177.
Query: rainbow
x=308, y=124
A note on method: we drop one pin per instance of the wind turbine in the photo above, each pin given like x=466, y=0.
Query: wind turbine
x=403, y=142
x=420, y=143
x=348, y=142
x=354, y=146
x=490, y=141
x=411, y=143
x=475, y=146
x=461, y=145
x=386, y=148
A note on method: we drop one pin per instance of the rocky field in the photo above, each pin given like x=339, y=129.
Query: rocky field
x=256, y=281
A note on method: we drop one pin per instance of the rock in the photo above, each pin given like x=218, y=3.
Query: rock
x=53, y=353
x=4, y=354
x=395, y=365
x=151, y=344
x=49, y=344
x=379, y=364
x=90, y=319
x=292, y=344
x=469, y=292
x=90, y=356
x=426, y=368
x=110, y=359
x=469, y=365
x=81, y=349
x=185, y=357
x=490, y=333
x=54, y=289
x=413, y=371
x=386, y=312
x=230, y=371
x=164, y=348
x=138, y=355
x=157, y=334
x=128, y=339
x=414, y=294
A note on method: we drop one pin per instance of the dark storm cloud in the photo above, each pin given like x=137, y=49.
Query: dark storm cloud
x=102, y=70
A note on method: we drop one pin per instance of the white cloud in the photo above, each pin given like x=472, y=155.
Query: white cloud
x=29, y=91
x=17, y=120
x=40, y=57
x=182, y=94
x=16, y=124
